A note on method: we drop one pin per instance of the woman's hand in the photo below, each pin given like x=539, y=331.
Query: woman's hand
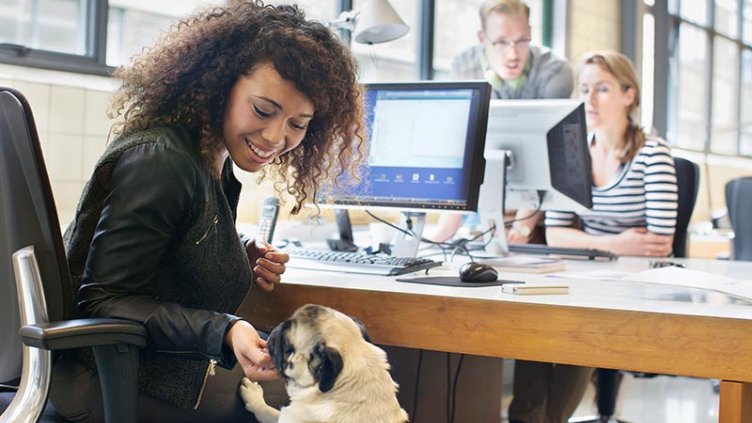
x=519, y=233
x=250, y=351
x=268, y=264
x=640, y=242
x=525, y=221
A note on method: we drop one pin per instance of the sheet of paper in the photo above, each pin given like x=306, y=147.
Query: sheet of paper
x=695, y=279
x=670, y=275
x=600, y=275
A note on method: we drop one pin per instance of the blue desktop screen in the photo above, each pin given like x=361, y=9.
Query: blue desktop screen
x=423, y=145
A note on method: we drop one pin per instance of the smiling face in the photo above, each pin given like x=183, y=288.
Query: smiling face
x=266, y=117
x=607, y=102
x=506, y=40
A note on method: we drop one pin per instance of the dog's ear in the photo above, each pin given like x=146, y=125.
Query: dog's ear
x=362, y=328
x=329, y=366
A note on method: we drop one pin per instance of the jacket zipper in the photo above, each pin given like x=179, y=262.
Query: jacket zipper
x=209, y=372
x=214, y=225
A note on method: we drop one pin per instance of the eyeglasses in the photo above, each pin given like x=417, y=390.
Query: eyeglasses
x=520, y=44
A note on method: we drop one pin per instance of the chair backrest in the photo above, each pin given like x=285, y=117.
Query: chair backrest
x=688, y=182
x=27, y=217
x=739, y=204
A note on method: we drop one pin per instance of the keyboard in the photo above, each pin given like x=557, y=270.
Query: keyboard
x=373, y=264
x=564, y=252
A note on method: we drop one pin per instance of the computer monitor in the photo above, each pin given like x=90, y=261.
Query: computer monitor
x=537, y=157
x=426, y=142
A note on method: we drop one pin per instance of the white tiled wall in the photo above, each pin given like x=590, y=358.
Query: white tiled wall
x=73, y=127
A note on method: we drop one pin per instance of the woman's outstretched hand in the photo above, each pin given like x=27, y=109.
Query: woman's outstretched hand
x=250, y=351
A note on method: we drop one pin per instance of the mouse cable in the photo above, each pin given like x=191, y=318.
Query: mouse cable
x=417, y=386
x=541, y=194
x=454, y=386
x=409, y=231
x=453, y=248
x=461, y=246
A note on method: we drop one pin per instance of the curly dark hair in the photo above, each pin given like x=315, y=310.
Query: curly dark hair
x=186, y=79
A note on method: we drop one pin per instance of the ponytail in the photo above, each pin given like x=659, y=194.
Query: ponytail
x=634, y=140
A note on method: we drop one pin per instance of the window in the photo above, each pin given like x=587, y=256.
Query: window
x=133, y=25
x=95, y=36
x=44, y=24
x=68, y=34
x=709, y=63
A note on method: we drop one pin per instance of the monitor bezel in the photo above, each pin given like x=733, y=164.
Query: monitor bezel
x=475, y=149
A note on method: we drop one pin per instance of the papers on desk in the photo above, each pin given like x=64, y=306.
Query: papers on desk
x=525, y=264
x=599, y=275
x=672, y=275
x=694, y=279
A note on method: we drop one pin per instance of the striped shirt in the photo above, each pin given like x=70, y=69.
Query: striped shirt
x=643, y=194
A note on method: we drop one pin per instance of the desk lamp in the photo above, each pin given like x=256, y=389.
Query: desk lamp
x=375, y=22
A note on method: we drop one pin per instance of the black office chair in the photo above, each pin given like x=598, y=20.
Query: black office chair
x=36, y=291
x=739, y=203
x=608, y=380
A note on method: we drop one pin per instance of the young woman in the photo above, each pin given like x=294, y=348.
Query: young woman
x=634, y=214
x=635, y=194
x=154, y=240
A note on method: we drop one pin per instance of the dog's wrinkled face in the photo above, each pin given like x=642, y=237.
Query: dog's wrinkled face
x=310, y=347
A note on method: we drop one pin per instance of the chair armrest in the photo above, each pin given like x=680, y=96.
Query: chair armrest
x=80, y=333
x=8, y=388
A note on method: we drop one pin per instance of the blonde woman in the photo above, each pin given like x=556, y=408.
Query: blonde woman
x=634, y=214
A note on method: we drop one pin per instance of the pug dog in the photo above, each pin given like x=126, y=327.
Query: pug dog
x=331, y=370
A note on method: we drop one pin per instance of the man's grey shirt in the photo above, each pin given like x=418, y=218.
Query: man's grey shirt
x=549, y=75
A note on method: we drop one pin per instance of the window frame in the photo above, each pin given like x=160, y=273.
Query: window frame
x=97, y=13
x=666, y=47
x=91, y=63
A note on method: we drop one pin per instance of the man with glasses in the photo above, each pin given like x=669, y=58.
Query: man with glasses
x=505, y=58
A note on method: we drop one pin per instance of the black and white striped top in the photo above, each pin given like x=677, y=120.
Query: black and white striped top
x=642, y=194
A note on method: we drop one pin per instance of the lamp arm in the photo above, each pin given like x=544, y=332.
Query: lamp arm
x=346, y=20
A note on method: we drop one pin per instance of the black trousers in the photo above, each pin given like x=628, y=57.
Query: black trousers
x=76, y=395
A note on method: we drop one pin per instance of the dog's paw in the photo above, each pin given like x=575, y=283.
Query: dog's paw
x=252, y=394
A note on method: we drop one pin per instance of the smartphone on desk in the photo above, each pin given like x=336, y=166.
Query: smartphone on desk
x=268, y=219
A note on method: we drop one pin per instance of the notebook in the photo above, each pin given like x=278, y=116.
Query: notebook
x=525, y=264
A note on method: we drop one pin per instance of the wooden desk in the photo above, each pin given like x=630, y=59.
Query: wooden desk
x=611, y=324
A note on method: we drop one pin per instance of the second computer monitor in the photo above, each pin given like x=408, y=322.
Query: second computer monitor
x=549, y=164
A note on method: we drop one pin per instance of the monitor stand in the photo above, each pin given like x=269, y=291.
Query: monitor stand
x=491, y=201
x=407, y=245
x=346, y=241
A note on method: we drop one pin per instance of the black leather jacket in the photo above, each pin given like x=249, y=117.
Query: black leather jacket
x=154, y=241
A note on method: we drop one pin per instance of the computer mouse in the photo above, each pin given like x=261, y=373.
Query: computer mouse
x=477, y=272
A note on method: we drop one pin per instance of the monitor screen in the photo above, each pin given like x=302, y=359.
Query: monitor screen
x=425, y=142
x=549, y=160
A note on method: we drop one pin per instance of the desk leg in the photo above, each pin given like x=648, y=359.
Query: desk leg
x=735, y=402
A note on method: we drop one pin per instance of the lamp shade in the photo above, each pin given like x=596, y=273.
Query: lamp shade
x=378, y=23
